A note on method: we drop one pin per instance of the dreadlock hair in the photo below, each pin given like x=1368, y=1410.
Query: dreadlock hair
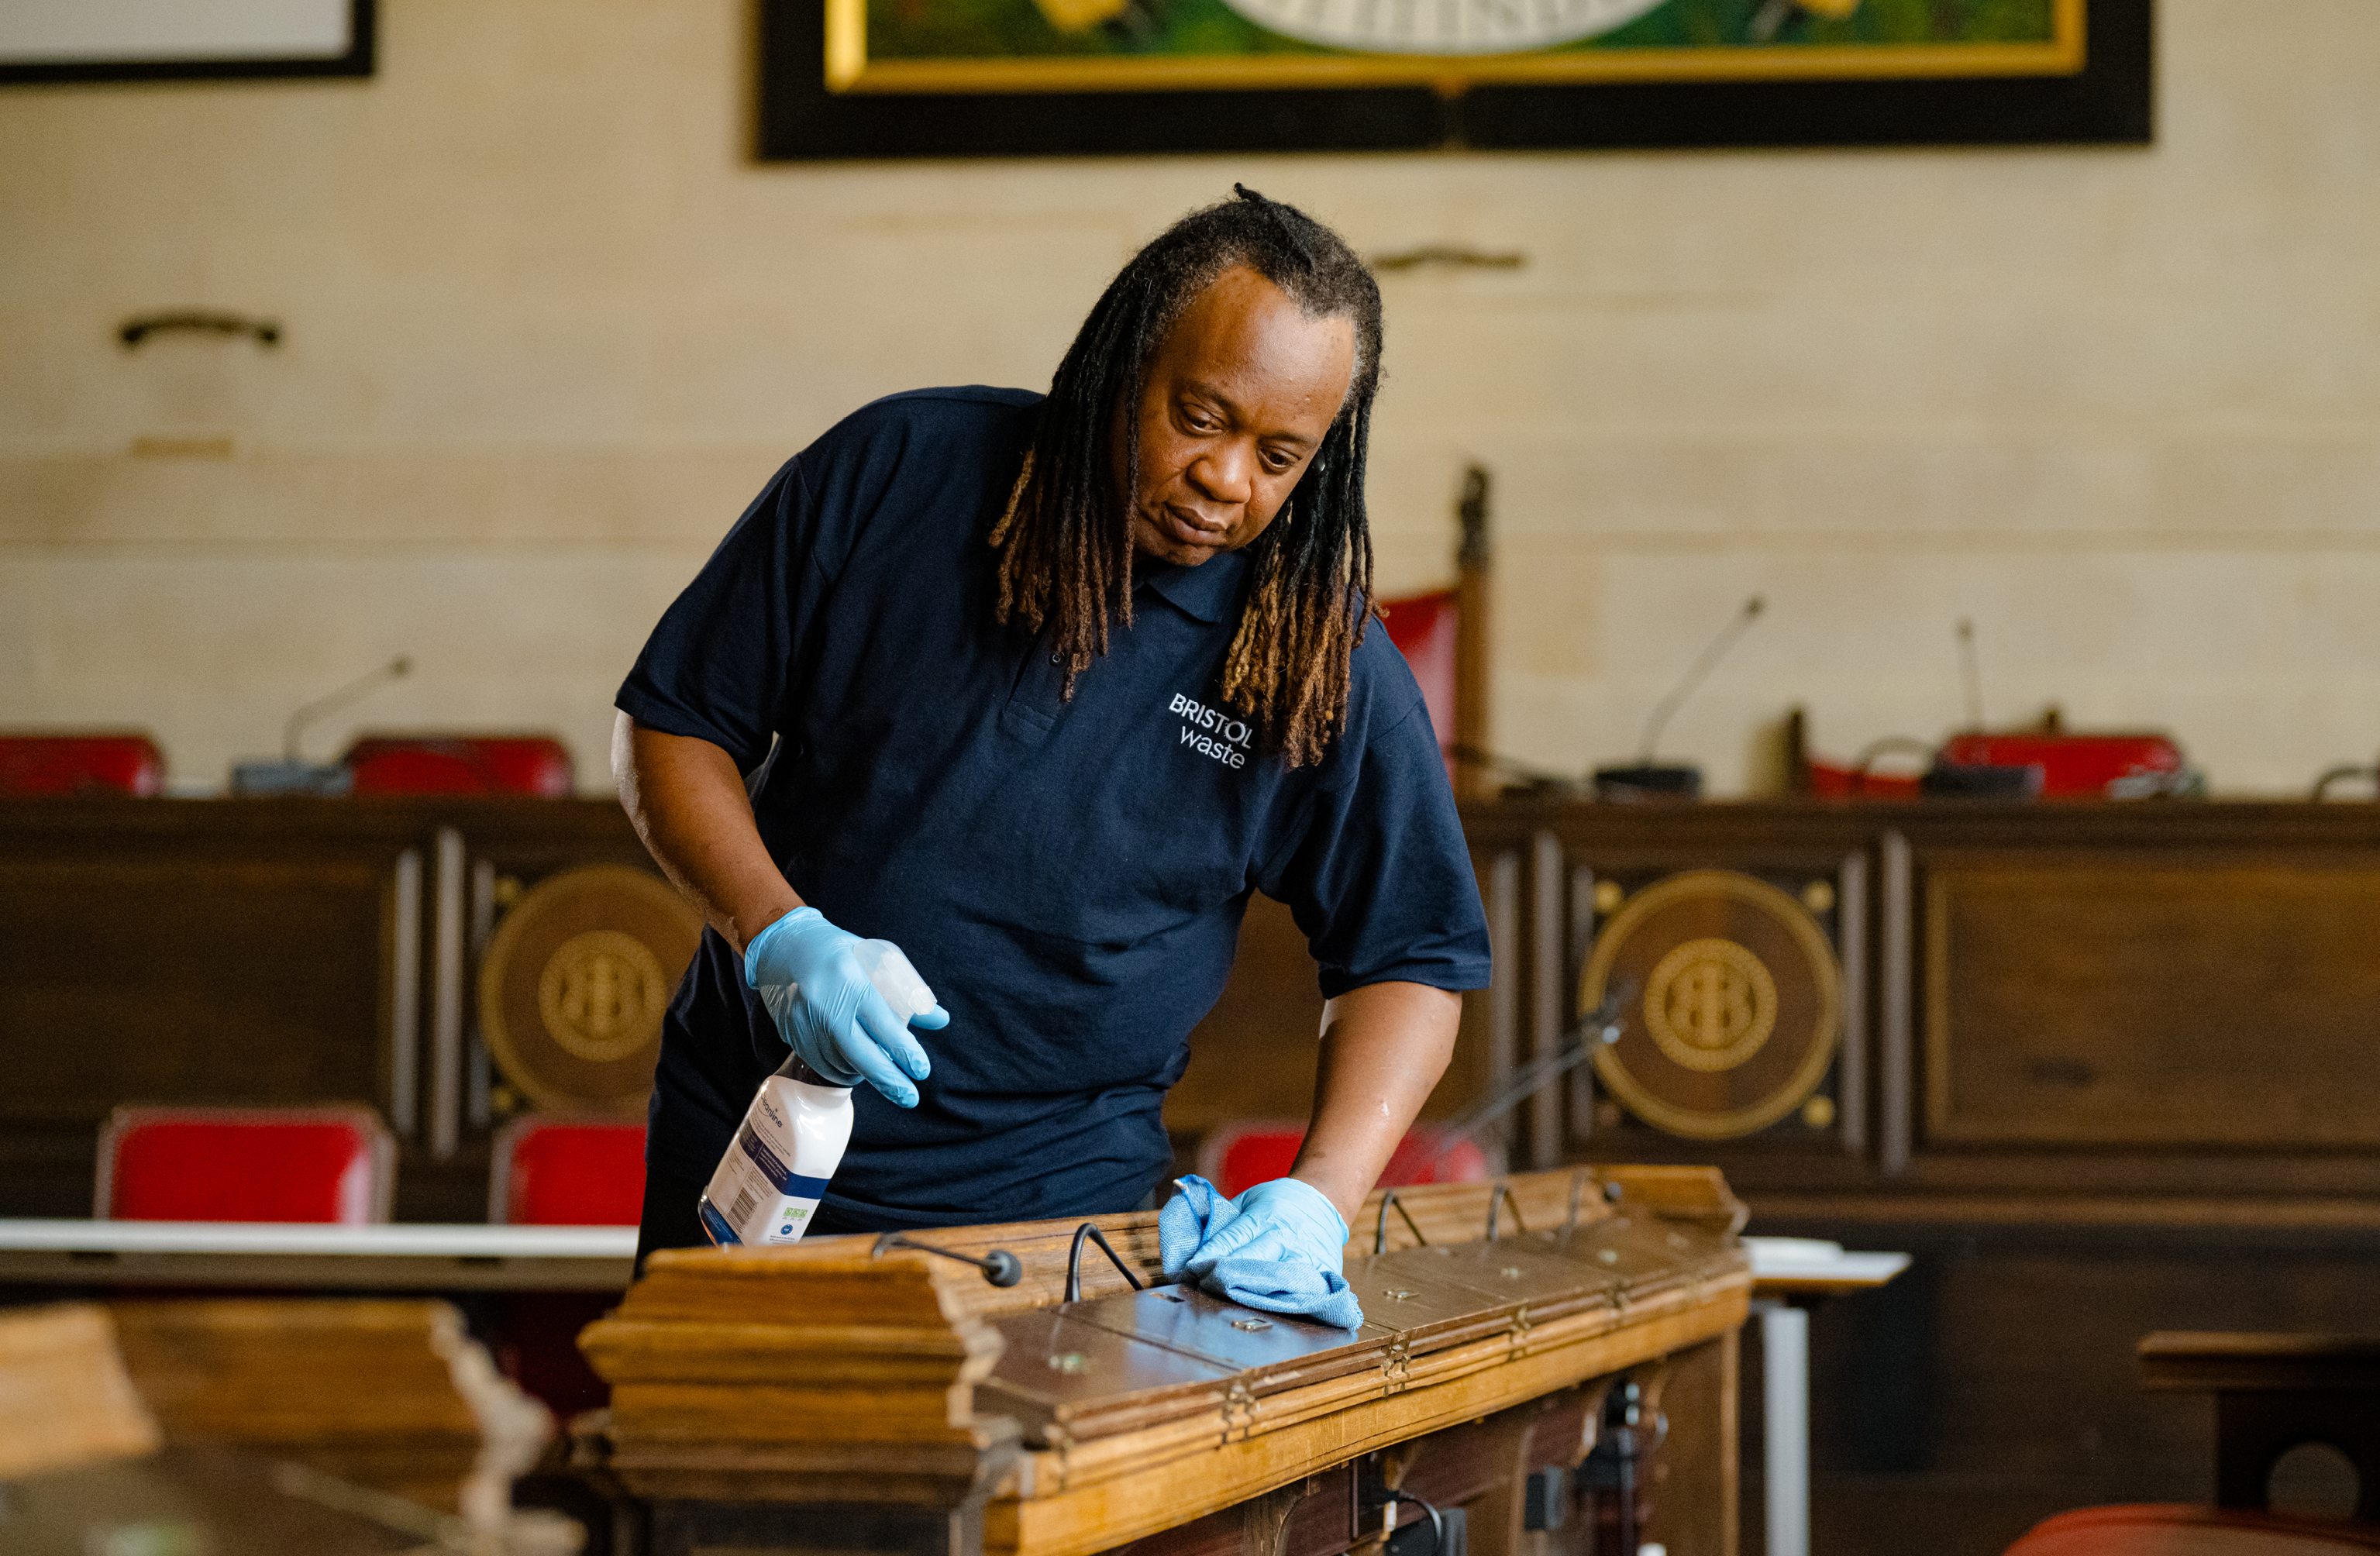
x=1065, y=541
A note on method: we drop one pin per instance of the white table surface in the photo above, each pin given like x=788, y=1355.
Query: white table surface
x=290, y=1256
x=287, y=1237
x=1777, y=1261
x=1809, y=1263
x=1782, y=1270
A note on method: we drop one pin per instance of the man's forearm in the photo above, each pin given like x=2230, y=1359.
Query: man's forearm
x=1383, y=1048
x=689, y=803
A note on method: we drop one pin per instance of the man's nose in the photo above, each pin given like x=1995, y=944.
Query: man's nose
x=1223, y=474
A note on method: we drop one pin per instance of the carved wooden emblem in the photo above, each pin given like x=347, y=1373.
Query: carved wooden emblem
x=1710, y=1004
x=601, y=995
x=574, y=985
x=1731, y=998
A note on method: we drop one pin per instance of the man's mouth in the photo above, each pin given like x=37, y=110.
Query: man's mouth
x=1184, y=527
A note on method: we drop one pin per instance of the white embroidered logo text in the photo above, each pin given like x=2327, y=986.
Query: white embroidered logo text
x=1212, y=732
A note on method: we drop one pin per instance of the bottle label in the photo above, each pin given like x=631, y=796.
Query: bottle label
x=754, y=1197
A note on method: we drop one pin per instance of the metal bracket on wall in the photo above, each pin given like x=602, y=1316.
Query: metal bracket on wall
x=132, y=331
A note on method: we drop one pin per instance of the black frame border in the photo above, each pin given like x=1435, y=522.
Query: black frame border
x=2110, y=102
x=359, y=60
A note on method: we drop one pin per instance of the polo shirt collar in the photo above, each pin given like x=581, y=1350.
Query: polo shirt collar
x=1209, y=591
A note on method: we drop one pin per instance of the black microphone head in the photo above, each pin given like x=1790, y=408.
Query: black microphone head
x=1002, y=1268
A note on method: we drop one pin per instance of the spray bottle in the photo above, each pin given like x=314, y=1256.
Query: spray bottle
x=768, y=1184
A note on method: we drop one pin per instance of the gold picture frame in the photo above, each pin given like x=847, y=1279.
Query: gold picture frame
x=851, y=67
x=1141, y=77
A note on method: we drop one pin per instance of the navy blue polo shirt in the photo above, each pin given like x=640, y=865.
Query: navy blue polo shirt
x=1069, y=876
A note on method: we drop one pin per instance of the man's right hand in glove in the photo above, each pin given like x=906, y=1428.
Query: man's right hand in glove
x=814, y=980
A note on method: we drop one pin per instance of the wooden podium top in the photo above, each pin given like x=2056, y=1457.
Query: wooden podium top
x=823, y=1373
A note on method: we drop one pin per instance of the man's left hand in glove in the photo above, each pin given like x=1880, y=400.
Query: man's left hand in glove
x=1278, y=1247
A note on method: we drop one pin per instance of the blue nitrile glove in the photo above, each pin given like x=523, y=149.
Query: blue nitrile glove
x=816, y=987
x=1275, y=1247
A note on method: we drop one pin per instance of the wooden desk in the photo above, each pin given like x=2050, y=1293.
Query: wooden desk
x=824, y=1395
x=207, y=1497
x=598, y=1258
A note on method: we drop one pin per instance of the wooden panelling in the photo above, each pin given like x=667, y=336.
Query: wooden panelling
x=1253, y=1057
x=2105, y=1070
x=1997, y=1382
x=1254, y=1054
x=260, y=953
x=2179, y=1005
x=171, y=979
x=1896, y=1019
x=1696, y=1503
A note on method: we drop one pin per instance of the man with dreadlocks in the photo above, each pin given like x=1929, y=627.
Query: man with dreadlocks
x=1041, y=689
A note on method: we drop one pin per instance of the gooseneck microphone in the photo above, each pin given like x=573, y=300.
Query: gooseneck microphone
x=354, y=692
x=293, y=774
x=1971, y=672
x=1701, y=667
x=1648, y=779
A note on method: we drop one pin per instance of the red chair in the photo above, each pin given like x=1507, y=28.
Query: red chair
x=2275, y=1395
x=476, y=764
x=567, y=1171
x=1424, y=628
x=562, y=1172
x=2179, y=1529
x=335, y=1165
x=72, y=764
x=2078, y=766
x=1233, y=1156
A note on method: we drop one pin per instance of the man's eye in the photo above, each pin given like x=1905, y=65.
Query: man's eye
x=1280, y=463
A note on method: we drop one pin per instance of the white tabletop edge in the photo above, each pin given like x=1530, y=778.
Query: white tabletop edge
x=1786, y=1259
x=1772, y=1259
x=460, y=1241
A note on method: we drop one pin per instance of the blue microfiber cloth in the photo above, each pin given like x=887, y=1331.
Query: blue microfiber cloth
x=1288, y=1284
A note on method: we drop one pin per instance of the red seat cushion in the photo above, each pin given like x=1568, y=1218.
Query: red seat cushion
x=573, y=1173
x=2094, y=766
x=205, y=1164
x=473, y=764
x=1424, y=629
x=70, y=764
x=1236, y=1155
x=2176, y=1529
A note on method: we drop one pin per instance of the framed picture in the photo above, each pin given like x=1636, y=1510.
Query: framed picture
x=50, y=41
x=859, y=79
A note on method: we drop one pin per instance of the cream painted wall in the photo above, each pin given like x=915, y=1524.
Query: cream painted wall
x=548, y=328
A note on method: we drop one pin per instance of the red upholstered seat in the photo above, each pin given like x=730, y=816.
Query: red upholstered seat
x=2175, y=1529
x=480, y=764
x=71, y=764
x=562, y=1172
x=2084, y=766
x=1233, y=1156
x=1424, y=629
x=334, y=1165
